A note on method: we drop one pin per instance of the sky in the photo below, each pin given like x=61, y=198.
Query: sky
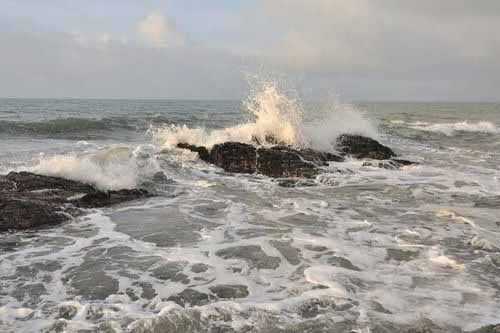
x=372, y=50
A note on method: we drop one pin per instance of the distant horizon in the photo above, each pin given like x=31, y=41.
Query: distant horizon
x=423, y=101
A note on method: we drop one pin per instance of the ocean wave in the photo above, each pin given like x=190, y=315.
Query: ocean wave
x=277, y=118
x=451, y=129
x=62, y=126
x=112, y=168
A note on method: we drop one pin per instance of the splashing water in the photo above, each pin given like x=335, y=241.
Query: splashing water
x=109, y=169
x=278, y=118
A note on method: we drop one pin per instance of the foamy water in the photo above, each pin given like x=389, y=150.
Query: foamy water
x=450, y=129
x=359, y=248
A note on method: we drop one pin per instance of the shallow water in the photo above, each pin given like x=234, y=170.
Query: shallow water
x=359, y=248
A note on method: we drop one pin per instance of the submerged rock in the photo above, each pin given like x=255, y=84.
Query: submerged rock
x=363, y=147
x=29, y=200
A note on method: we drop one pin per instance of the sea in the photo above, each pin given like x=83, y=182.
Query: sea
x=359, y=248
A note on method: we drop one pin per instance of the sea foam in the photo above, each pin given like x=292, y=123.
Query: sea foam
x=451, y=129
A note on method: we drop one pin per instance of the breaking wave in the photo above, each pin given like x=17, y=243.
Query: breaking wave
x=451, y=129
x=108, y=169
x=276, y=118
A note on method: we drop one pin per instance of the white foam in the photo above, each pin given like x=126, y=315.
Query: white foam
x=277, y=115
x=112, y=168
x=451, y=129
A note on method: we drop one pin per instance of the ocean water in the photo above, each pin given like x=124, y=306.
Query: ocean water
x=358, y=248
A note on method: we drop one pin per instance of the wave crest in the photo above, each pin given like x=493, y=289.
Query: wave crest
x=451, y=129
x=277, y=118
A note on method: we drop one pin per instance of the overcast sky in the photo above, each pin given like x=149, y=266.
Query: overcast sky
x=357, y=49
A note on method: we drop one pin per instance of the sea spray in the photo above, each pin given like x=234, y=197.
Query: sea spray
x=278, y=116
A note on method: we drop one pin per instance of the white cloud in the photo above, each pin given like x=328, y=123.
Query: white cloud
x=159, y=31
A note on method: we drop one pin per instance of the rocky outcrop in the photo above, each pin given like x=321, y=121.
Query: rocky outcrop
x=234, y=157
x=28, y=200
x=360, y=146
x=283, y=161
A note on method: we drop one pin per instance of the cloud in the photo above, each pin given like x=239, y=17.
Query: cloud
x=159, y=31
x=359, y=49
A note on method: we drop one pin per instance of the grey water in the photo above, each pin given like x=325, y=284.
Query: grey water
x=359, y=248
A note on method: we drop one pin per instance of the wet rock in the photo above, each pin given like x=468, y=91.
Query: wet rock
x=20, y=213
x=252, y=254
x=30, y=201
x=230, y=290
x=203, y=152
x=342, y=262
x=27, y=181
x=363, y=147
x=319, y=157
x=282, y=162
x=234, y=157
x=104, y=199
x=291, y=254
x=190, y=297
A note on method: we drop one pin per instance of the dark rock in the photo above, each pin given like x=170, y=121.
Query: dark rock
x=252, y=254
x=282, y=161
x=27, y=181
x=190, y=297
x=104, y=199
x=401, y=162
x=230, y=290
x=18, y=213
x=202, y=151
x=318, y=157
x=234, y=157
x=30, y=201
x=363, y=147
